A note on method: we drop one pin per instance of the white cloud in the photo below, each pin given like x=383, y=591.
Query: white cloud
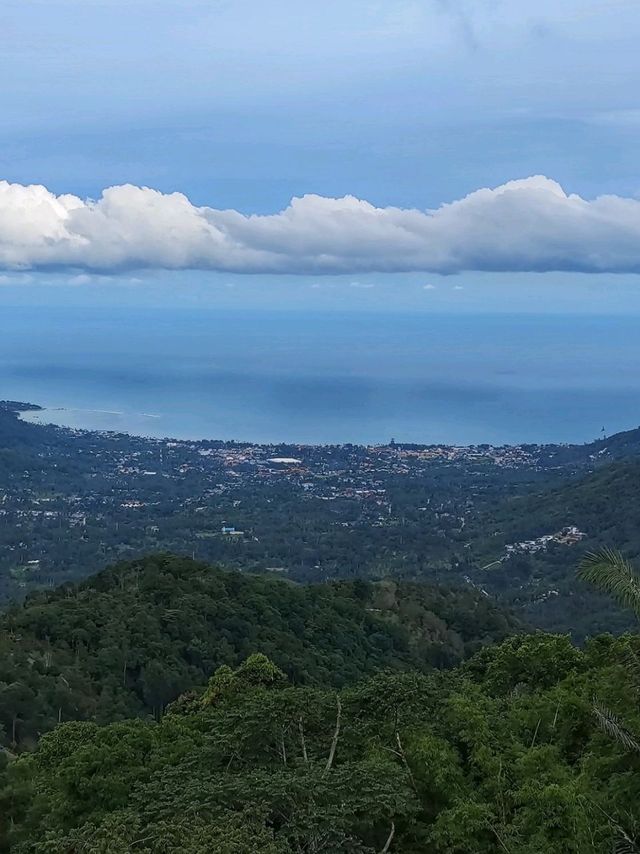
x=428, y=287
x=525, y=225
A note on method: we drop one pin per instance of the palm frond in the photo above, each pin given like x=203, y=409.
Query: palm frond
x=610, y=572
x=631, y=661
x=612, y=725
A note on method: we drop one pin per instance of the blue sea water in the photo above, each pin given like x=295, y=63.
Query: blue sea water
x=322, y=378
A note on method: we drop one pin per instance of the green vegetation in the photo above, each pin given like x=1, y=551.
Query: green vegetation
x=613, y=574
x=606, y=505
x=75, y=501
x=132, y=638
x=343, y=738
x=165, y=705
x=504, y=754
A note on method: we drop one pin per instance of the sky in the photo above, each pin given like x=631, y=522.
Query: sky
x=431, y=153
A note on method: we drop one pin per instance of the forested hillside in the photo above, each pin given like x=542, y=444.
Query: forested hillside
x=165, y=706
x=131, y=639
x=604, y=504
x=502, y=755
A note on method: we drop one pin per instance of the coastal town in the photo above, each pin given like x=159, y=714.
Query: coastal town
x=312, y=513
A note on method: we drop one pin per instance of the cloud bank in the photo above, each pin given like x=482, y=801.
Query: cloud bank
x=524, y=225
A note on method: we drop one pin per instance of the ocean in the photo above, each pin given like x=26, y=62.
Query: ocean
x=288, y=376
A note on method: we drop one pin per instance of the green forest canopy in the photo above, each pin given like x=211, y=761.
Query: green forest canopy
x=131, y=639
x=347, y=740
x=501, y=755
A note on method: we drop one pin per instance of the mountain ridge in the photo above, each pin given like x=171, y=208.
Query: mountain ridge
x=134, y=637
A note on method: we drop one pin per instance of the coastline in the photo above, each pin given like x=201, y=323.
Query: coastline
x=360, y=380
x=81, y=418
x=41, y=416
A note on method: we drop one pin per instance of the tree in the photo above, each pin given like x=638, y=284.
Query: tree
x=611, y=573
x=608, y=570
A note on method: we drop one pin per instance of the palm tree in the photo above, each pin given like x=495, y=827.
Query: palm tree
x=612, y=573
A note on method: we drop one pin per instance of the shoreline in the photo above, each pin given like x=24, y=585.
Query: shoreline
x=40, y=416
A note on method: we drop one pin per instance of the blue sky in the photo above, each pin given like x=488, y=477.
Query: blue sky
x=243, y=105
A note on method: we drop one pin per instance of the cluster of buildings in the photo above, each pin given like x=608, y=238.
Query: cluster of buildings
x=116, y=493
x=568, y=536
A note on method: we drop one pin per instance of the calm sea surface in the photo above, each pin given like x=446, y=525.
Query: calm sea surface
x=316, y=378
